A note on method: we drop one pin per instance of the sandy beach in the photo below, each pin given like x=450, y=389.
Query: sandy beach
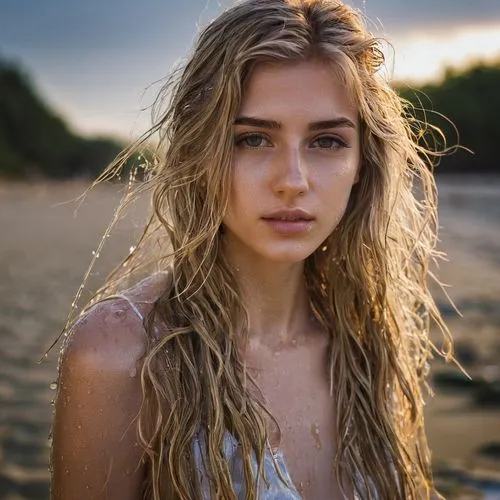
x=44, y=252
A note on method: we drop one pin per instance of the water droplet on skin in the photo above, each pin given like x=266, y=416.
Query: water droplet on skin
x=131, y=249
x=133, y=372
x=315, y=435
x=294, y=342
x=53, y=386
x=324, y=249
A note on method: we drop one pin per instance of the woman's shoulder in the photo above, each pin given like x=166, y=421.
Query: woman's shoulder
x=111, y=334
x=100, y=396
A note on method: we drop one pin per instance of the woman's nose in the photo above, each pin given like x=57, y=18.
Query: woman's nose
x=290, y=174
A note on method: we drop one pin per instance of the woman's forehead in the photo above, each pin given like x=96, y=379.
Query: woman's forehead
x=307, y=87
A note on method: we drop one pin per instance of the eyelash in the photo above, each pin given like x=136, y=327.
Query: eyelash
x=241, y=139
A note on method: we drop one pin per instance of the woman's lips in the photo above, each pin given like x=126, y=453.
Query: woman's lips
x=288, y=226
x=289, y=220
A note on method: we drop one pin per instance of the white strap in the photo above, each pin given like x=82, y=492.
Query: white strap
x=132, y=305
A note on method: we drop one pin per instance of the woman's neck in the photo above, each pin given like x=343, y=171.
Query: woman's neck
x=275, y=297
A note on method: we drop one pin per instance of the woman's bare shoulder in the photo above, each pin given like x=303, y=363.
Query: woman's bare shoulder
x=111, y=333
x=99, y=398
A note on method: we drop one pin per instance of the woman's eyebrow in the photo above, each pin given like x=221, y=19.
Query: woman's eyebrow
x=341, y=121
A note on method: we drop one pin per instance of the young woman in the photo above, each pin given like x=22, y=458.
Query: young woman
x=280, y=351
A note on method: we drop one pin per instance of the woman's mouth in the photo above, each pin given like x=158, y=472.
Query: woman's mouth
x=289, y=221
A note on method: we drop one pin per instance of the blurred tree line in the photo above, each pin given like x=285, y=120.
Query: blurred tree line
x=35, y=142
x=466, y=107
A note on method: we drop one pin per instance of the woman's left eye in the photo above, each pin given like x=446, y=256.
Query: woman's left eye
x=329, y=142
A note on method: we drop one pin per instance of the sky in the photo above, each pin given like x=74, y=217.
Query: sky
x=98, y=63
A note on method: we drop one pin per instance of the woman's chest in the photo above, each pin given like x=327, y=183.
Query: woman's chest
x=296, y=391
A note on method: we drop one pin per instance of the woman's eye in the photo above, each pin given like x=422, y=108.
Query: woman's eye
x=329, y=142
x=253, y=141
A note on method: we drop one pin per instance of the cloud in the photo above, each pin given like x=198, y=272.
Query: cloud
x=399, y=16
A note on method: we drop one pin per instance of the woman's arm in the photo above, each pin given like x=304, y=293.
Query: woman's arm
x=95, y=453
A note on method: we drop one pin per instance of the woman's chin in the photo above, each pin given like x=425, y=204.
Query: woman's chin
x=292, y=256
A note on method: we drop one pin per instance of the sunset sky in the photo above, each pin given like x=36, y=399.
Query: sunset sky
x=96, y=61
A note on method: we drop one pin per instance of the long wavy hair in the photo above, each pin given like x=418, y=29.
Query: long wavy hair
x=368, y=282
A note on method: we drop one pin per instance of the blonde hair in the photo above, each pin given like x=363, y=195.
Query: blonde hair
x=367, y=284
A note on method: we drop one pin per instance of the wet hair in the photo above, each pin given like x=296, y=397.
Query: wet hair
x=368, y=282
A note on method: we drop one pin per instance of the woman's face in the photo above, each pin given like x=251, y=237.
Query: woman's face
x=296, y=158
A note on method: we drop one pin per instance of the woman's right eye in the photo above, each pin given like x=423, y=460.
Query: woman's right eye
x=253, y=141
